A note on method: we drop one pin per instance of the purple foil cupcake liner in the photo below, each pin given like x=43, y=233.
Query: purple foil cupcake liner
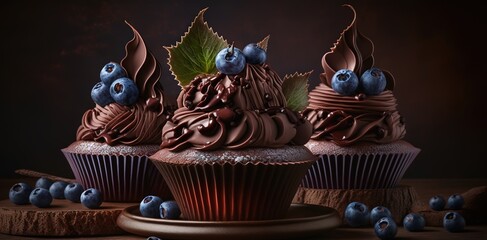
x=233, y=192
x=121, y=178
x=358, y=171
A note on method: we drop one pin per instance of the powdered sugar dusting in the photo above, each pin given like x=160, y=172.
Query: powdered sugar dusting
x=91, y=147
x=285, y=154
x=329, y=148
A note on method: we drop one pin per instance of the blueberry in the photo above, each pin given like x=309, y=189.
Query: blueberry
x=153, y=238
x=345, y=82
x=73, y=192
x=169, y=210
x=43, y=182
x=57, y=189
x=453, y=222
x=230, y=61
x=91, y=198
x=455, y=202
x=373, y=81
x=437, y=203
x=254, y=54
x=357, y=214
x=40, y=197
x=149, y=206
x=111, y=72
x=414, y=222
x=379, y=212
x=385, y=228
x=19, y=193
x=124, y=91
x=100, y=94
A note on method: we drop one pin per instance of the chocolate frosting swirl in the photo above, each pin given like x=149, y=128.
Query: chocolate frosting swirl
x=346, y=120
x=130, y=125
x=234, y=112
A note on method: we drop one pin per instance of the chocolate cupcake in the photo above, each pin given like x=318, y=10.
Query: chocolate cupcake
x=117, y=136
x=357, y=130
x=233, y=150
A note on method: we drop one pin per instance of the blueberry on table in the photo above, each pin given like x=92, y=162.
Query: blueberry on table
x=357, y=214
x=149, y=206
x=111, y=72
x=169, y=210
x=57, y=189
x=100, y=94
x=73, y=192
x=414, y=222
x=254, y=54
x=19, y=193
x=345, y=82
x=91, y=198
x=437, y=203
x=124, y=91
x=455, y=202
x=40, y=197
x=385, y=228
x=43, y=182
x=153, y=238
x=453, y=222
x=379, y=212
x=373, y=81
x=230, y=60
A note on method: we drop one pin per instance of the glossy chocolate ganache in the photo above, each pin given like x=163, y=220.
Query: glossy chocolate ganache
x=140, y=123
x=346, y=120
x=220, y=111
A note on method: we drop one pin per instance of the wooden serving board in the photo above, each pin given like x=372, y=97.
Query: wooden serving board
x=63, y=218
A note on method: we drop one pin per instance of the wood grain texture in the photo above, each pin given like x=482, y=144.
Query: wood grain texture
x=63, y=218
x=35, y=174
x=398, y=199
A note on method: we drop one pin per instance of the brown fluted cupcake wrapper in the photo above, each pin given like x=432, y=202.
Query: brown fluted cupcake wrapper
x=120, y=178
x=233, y=191
x=358, y=171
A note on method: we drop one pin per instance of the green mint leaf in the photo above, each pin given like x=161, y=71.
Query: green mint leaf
x=295, y=89
x=195, y=53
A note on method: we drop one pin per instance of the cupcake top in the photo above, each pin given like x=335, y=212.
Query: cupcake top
x=237, y=102
x=354, y=101
x=129, y=100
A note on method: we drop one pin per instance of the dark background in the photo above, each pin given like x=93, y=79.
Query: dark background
x=52, y=53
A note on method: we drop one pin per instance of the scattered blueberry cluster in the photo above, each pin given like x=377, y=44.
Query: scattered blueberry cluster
x=372, y=82
x=46, y=190
x=115, y=86
x=452, y=221
x=232, y=60
x=357, y=214
x=154, y=207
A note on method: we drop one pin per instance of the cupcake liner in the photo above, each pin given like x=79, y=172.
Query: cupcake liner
x=217, y=191
x=358, y=171
x=121, y=178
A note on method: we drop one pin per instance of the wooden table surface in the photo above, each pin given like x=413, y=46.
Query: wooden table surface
x=424, y=187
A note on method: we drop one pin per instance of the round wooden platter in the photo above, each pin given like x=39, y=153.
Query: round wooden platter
x=63, y=218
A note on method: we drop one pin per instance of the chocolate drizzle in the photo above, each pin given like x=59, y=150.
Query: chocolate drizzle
x=130, y=125
x=346, y=120
x=234, y=112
